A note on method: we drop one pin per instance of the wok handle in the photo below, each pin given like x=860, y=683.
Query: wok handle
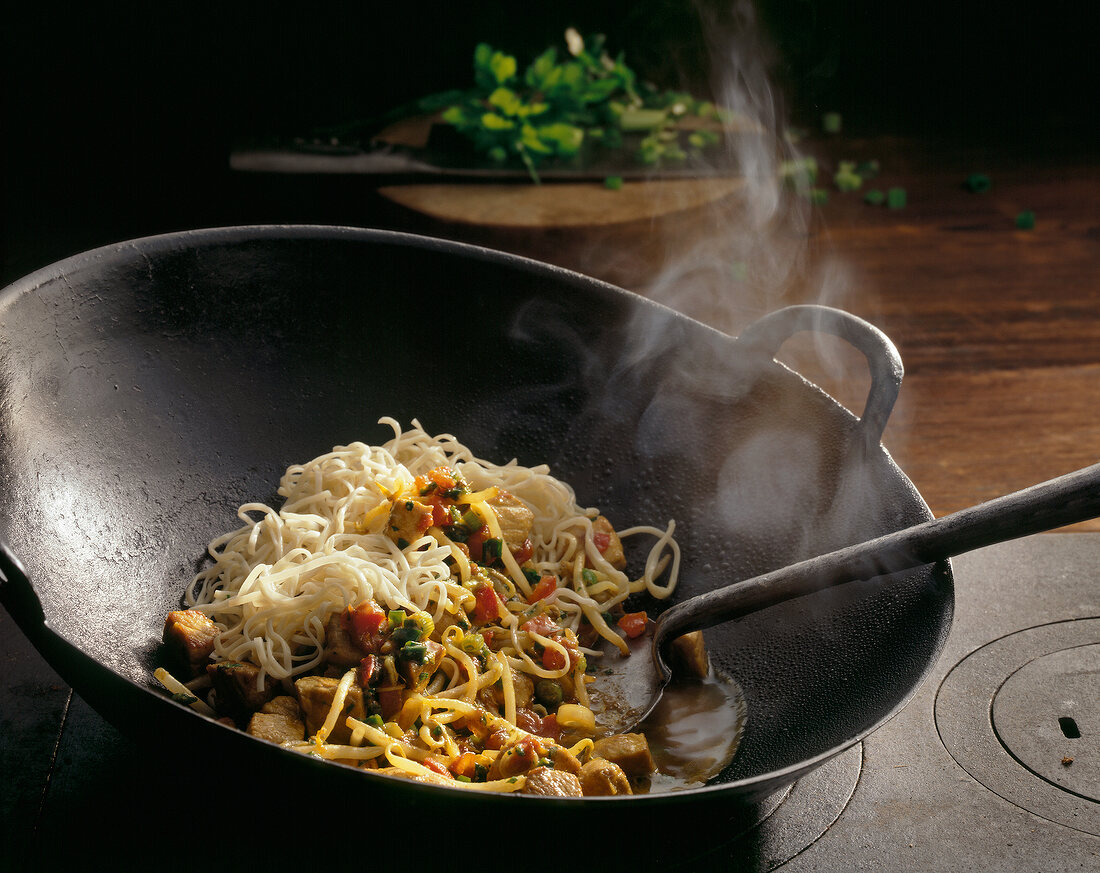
x=1055, y=503
x=767, y=334
x=16, y=593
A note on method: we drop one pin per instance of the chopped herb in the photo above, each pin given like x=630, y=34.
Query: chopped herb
x=832, y=122
x=402, y=543
x=589, y=577
x=186, y=699
x=896, y=198
x=1025, y=220
x=375, y=721
x=415, y=652
x=868, y=169
x=875, y=197
x=396, y=616
x=492, y=548
x=463, y=779
x=979, y=183
x=613, y=183
x=819, y=196
x=409, y=505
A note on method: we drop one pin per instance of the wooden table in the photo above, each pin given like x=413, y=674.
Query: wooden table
x=999, y=329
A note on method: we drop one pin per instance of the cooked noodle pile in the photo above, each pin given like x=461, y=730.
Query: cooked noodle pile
x=278, y=583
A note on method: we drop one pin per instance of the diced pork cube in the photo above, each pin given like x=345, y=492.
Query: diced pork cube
x=278, y=726
x=315, y=696
x=689, y=655
x=418, y=673
x=613, y=552
x=340, y=648
x=629, y=751
x=547, y=782
x=515, y=518
x=409, y=518
x=189, y=638
x=602, y=532
x=236, y=688
x=600, y=778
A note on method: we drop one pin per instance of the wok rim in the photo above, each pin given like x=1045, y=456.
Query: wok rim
x=51, y=644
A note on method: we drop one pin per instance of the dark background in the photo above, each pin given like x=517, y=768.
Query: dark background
x=118, y=118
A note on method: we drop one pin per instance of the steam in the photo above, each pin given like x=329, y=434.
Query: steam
x=751, y=254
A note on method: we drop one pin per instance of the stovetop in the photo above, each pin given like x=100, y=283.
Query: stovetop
x=994, y=765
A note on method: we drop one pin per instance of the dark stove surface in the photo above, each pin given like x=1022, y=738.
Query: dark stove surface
x=994, y=765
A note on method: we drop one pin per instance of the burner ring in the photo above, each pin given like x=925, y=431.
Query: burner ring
x=1007, y=713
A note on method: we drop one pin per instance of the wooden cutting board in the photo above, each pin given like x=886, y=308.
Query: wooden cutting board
x=549, y=205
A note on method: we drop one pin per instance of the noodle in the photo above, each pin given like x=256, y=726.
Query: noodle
x=471, y=593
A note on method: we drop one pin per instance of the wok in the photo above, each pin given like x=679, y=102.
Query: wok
x=149, y=388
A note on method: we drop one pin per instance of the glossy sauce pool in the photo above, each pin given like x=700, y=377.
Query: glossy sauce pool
x=693, y=732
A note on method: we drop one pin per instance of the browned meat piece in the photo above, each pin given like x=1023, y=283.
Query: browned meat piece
x=614, y=553
x=278, y=726
x=563, y=759
x=524, y=689
x=431, y=778
x=236, y=688
x=189, y=637
x=284, y=704
x=516, y=520
x=417, y=674
x=518, y=757
x=552, y=783
x=600, y=778
x=409, y=518
x=340, y=648
x=315, y=695
x=629, y=751
x=689, y=655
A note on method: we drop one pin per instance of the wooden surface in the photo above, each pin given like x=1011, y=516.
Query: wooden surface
x=999, y=328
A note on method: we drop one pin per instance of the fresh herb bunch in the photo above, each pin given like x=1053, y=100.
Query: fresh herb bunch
x=587, y=99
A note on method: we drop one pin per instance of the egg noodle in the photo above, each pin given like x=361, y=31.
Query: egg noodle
x=276, y=582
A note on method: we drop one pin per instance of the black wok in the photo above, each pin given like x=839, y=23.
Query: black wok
x=149, y=388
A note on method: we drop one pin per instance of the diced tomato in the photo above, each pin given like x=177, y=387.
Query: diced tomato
x=366, y=623
x=369, y=668
x=488, y=637
x=633, y=624
x=541, y=624
x=488, y=604
x=444, y=478
x=475, y=542
x=550, y=727
x=552, y=659
x=601, y=540
x=463, y=765
x=366, y=618
x=437, y=766
x=546, y=586
x=440, y=515
x=524, y=552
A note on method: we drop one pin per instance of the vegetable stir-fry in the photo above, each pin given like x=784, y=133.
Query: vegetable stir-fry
x=414, y=610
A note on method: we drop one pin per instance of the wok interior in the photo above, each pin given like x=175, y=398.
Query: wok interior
x=149, y=390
